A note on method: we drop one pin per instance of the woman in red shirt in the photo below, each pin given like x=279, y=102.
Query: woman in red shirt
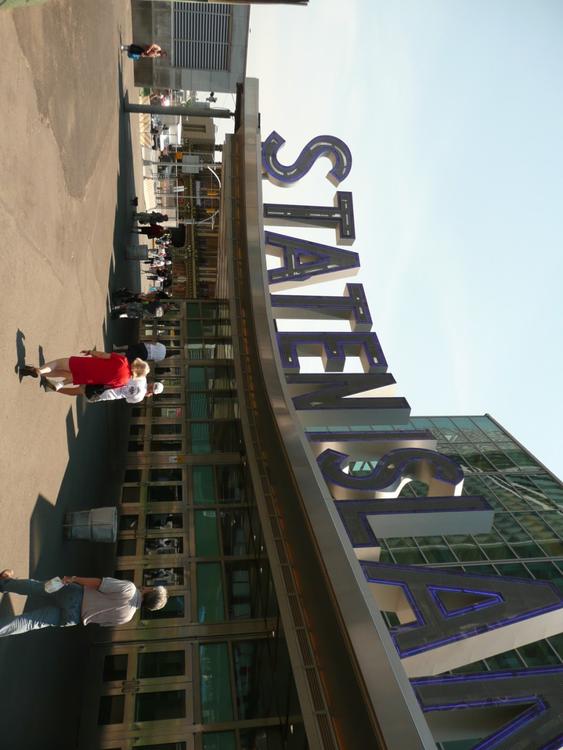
x=94, y=368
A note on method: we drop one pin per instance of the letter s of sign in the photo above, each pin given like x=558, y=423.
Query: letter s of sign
x=322, y=145
x=393, y=470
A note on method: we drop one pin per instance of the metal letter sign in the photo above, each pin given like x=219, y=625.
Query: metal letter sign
x=323, y=145
x=448, y=618
x=339, y=217
x=351, y=306
x=527, y=702
x=307, y=261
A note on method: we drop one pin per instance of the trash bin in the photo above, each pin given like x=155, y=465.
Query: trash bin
x=96, y=525
x=137, y=252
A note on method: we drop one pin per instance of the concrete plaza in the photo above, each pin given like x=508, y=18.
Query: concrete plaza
x=65, y=210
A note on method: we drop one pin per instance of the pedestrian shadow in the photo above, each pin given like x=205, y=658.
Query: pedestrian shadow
x=20, y=352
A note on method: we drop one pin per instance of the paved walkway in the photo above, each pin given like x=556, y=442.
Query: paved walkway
x=65, y=211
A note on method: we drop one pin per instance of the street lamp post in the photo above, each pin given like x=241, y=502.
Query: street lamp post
x=197, y=109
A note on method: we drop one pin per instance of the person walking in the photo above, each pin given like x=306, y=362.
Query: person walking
x=146, y=350
x=150, y=217
x=138, y=51
x=81, y=601
x=133, y=393
x=94, y=368
x=153, y=231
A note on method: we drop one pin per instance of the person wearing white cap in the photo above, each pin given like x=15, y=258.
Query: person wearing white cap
x=133, y=392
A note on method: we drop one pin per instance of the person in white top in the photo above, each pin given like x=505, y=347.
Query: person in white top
x=103, y=601
x=133, y=392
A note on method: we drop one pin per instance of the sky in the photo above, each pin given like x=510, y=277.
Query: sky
x=453, y=111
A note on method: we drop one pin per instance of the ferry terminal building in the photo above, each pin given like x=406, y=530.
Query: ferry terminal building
x=341, y=575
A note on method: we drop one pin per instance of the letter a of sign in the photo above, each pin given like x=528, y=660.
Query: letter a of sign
x=534, y=695
x=307, y=261
x=323, y=145
x=450, y=619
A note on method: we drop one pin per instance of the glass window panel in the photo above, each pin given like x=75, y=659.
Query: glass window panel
x=126, y=547
x=115, y=667
x=552, y=548
x=164, y=546
x=158, y=706
x=163, y=746
x=220, y=741
x=438, y=554
x=215, y=683
x=230, y=482
x=520, y=458
x=166, y=429
x=161, y=664
x=507, y=660
x=203, y=485
x=506, y=524
x=137, y=430
x=111, y=709
x=135, y=446
x=538, y=654
x=192, y=310
x=210, y=600
x=476, y=666
x=132, y=475
x=513, y=569
x=165, y=521
x=537, y=528
x=163, y=577
x=263, y=679
x=174, y=446
x=404, y=541
x=174, y=608
x=274, y=738
x=199, y=406
x=498, y=551
x=168, y=412
x=408, y=556
x=201, y=437
x=165, y=475
x=468, y=552
x=128, y=522
x=546, y=571
x=236, y=532
x=527, y=549
x=166, y=493
x=556, y=642
x=197, y=379
x=499, y=459
x=250, y=590
x=206, y=533
x=195, y=329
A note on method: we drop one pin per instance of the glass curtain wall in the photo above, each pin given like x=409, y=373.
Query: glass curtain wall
x=211, y=670
x=526, y=540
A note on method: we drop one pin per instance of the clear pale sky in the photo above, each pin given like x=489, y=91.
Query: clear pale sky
x=453, y=111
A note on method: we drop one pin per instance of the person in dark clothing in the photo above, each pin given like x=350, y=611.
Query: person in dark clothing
x=150, y=217
x=137, y=51
x=152, y=231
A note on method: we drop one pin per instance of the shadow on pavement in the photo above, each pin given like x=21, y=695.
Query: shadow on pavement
x=20, y=351
x=43, y=670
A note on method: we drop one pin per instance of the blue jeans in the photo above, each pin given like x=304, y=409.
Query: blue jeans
x=61, y=609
